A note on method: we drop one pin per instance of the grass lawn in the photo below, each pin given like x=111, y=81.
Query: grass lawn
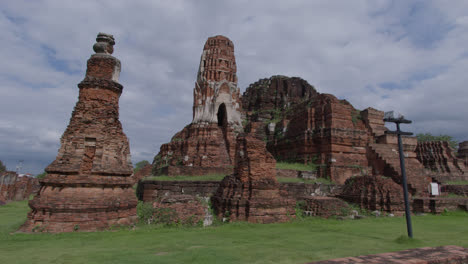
x=299, y=180
x=457, y=183
x=300, y=241
x=296, y=166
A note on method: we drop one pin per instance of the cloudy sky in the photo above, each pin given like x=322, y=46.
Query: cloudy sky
x=409, y=56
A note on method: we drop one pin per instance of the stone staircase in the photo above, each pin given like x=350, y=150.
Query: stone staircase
x=386, y=157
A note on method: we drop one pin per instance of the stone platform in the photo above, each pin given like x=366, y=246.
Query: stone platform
x=426, y=255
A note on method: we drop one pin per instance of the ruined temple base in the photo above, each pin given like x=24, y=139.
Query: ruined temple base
x=77, y=221
x=374, y=193
x=255, y=202
x=325, y=207
x=80, y=203
x=426, y=255
x=179, y=209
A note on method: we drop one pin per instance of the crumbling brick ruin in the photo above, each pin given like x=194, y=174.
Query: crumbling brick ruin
x=463, y=152
x=252, y=193
x=207, y=145
x=374, y=193
x=440, y=158
x=89, y=185
x=14, y=187
x=302, y=125
x=297, y=123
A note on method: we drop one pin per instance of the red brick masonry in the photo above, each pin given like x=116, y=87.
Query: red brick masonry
x=426, y=255
x=88, y=186
x=252, y=193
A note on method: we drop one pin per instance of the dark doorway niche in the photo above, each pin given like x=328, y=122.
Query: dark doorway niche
x=222, y=115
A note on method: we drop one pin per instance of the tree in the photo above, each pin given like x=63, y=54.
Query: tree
x=2, y=167
x=41, y=175
x=140, y=165
x=429, y=137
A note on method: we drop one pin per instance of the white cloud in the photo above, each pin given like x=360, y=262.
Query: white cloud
x=347, y=48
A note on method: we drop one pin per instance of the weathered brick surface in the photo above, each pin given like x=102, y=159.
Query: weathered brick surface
x=445, y=178
x=297, y=191
x=440, y=158
x=374, y=193
x=326, y=206
x=88, y=186
x=209, y=141
x=143, y=172
x=194, y=170
x=179, y=209
x=252, y=192
x=461, y=190
x=149, y=191
x=197, y=145
x=16, y=188
x=385, y=160
x=302, y=125
x=426, y=255
x=266, y=98
x=463, y=152
x=437, y=205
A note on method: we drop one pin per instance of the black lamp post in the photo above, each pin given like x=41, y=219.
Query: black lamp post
x=390, y=117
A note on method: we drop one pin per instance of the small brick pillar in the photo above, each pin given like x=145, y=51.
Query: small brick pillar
x=252, y=193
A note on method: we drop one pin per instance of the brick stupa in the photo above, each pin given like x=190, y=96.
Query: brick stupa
x=89, y=185
x=207, y=145
x=252, y=193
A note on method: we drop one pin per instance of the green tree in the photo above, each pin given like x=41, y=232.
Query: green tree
x=41, y=175
x=140, y=165
x=2, y=167
x=423, y=137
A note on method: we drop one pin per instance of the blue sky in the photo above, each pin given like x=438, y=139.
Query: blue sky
x=408, y=56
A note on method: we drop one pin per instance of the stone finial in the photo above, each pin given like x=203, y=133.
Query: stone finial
x=104, y=43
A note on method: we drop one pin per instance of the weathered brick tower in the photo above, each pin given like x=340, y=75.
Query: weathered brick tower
x=88, y=186
x=207, y=145
x=217, y=85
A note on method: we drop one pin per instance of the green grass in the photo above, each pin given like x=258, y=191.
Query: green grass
x=456, y=183
x=453, y=195
x=296, y=166
x=300, y=241
x=208, y=177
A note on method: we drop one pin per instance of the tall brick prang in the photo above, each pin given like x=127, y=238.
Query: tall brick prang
x=217, y=85
x=88, y=186
x=207, y=145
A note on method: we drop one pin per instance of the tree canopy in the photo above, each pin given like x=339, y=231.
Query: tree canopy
x=41, y=175
x=423, y=137
x=140, y=165
x=2, y=167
